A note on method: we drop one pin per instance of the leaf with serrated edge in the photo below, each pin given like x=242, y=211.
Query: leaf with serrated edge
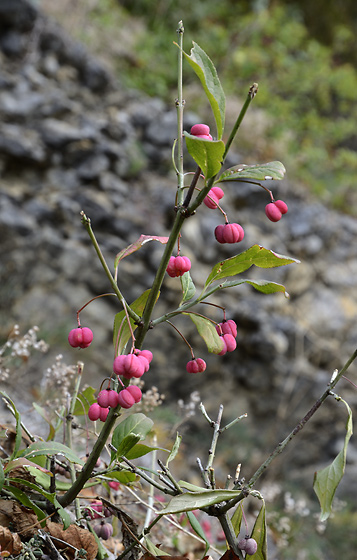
x=188, y=287
x=198, y=500
x=274, y=170
x=206, y=72
x=137, y=245
x=327, y=479
x=207, y=331
x=259, y=533
x=207, y=154
x=257, y=255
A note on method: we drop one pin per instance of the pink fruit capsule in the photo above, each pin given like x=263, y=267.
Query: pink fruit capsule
x=103, y=398
x=218, y=232
x=230, y=342
x=126, y=399
x=283, y=207
x=94, y=412
x=103, y=414
x=273, y=212
x=81, y=337
x=229, y=327
x=135, y=392
x=213, y=197
x=196, y=366
x=200, y=129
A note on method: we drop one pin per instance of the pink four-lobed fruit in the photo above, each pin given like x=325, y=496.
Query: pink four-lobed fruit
x=213, y=197
x=196, y=365
x=81, y=337
x=135, y=392
x=178, y=266
x=201, y=131
x=275, y=210
x=107, y=398
x=249, y=545
x=130, y=365
x=229, y=233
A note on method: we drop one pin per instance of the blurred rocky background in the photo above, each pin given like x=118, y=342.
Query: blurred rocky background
x=74, y=136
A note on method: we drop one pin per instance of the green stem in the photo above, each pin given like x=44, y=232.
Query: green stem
x=144, y=324
x=69, y=419
x=87, y=224
x=87, y=470
x=180, y=106
x=229, y=533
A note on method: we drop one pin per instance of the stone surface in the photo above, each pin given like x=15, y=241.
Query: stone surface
x=71, y=139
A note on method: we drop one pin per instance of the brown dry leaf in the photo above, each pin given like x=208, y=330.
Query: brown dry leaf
x=75, y=536
x=7, y=440
x=10, y=541
x=229, y=555
x=24, y=521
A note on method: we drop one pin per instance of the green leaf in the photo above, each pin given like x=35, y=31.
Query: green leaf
x=191, y=487
x=188, y=287
x=43, y=413
x=196, y=526
x=327, y=479
x=263, y=286
x=44, y=448
x=84, y=399
x=205, y=70
x=198, y=500
x=140, y=450
x=18, y=437
x=237, y=518
x=208, y=154
x=154, y=550
x=257, y=255
x=207, y=331
x=48, y=495
x=123, y=476
x=121, y=323
x=260, y=172
x=137, y=424
x=137, y=245
x=259, y=533
x=174, y=450
x=125, y=445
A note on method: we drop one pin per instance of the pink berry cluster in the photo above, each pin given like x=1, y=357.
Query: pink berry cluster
x=178, y=266
x=227, y=331
x=196, y=365
x=81, y=337
x=109, y=398
x=275, y=210
x=132, y=365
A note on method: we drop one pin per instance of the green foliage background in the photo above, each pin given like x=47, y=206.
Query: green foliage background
x=302, y=54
